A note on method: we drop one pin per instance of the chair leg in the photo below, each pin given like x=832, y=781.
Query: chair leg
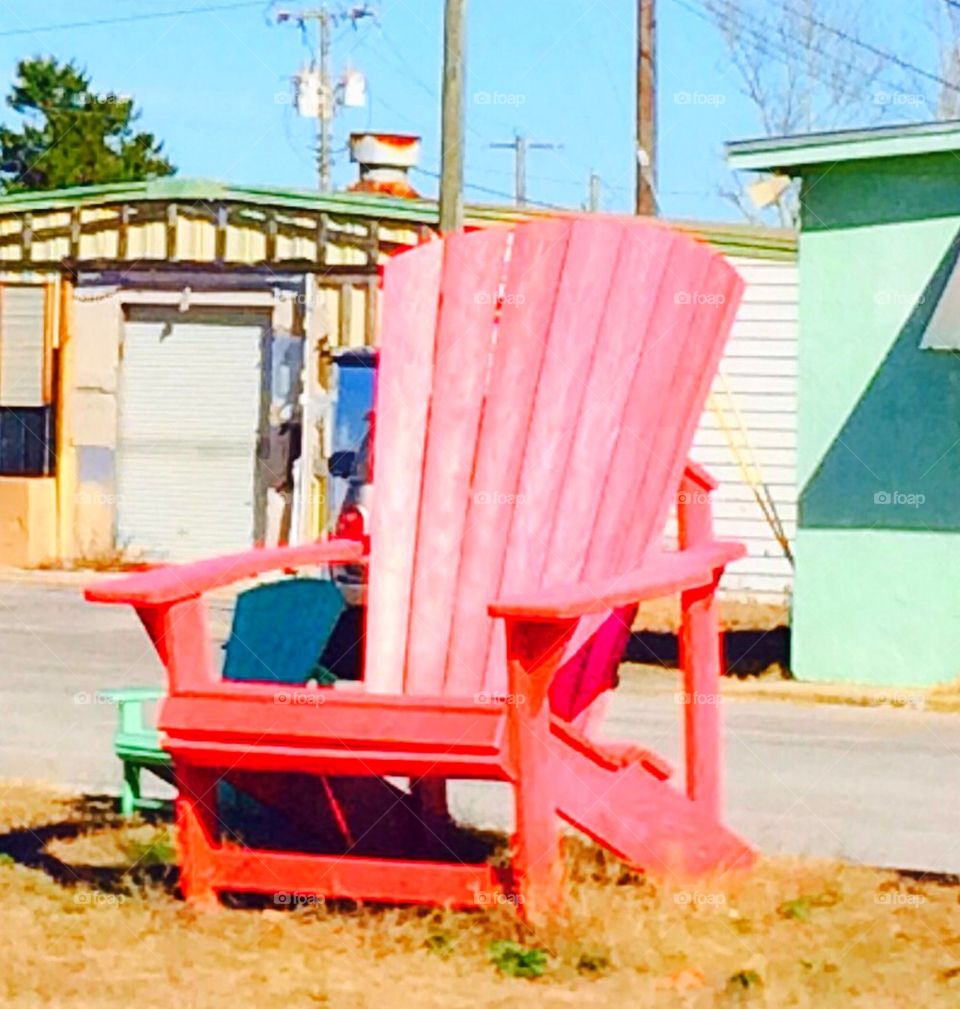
x=198, y=833
x=129, y=789
x=700, y=659
x=533, y=652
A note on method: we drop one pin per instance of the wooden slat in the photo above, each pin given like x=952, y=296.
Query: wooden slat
x=597, y=476
x=576, y=342
x=123, y=236
x=696, y=353
x=26, y=238
x=638, y=452
x=405, y=375
x=530, y=292
x=344, y=315
x=333, y=719
x=270, y=255
x=473, y=266
x=377, y=879
x=75, y=230
x=171, y=232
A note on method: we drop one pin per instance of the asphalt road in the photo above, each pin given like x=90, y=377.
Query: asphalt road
x=874, y=785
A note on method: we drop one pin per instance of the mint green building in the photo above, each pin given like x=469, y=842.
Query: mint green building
x=877, y=589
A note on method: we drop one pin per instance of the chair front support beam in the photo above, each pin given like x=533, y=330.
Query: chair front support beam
x=701, y=651
x=534, y=652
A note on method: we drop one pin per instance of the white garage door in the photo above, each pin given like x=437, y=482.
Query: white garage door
x=189, y=413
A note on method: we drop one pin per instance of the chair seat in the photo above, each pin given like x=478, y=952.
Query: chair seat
x=257, y=727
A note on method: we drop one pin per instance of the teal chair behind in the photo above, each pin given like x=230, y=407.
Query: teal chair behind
x=279, y=634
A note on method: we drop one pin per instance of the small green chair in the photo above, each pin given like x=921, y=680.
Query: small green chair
x=280, y=633
x=137, y=744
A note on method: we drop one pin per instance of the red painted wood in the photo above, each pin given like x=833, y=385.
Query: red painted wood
x=693, y=305
x=644, y=820
x=695, y=473
x=534, y=652
x=662, y=574
x=701, y=657
x=528, y=454
x=181, y=637
x=530, y=294
x=179, y=581
x=197, y=833
x=578, y=342
x=596, y=479
x=598, y=484
x=692, y=369
x=330, y=719
x=472, y=274
x=411, y=297
x=268, y=756
x=399, y=881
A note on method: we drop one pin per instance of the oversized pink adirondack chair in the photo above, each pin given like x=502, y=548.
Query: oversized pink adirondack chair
x=538, y=391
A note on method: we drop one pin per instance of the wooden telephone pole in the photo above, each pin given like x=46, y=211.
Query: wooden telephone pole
x=646, y=200
x=451, y=124
x=520, y=145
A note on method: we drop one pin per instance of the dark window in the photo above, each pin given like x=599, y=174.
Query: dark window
x=26, y=441
x=26, y=380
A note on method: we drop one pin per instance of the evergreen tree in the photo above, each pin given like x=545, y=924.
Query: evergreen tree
x=70, y=135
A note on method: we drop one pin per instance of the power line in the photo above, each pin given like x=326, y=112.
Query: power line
x=491, y=192
x=128, y=18
x=883, y=54
x=764, y=45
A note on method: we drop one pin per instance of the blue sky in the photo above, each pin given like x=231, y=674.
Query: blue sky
x=215, y=87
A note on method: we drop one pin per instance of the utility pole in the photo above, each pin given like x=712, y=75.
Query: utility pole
x=324, y=126
x=317, y=98
x=452, y=116
x=646, y=197
x=520, y=145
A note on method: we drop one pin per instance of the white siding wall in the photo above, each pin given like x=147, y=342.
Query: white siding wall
x=760, y=368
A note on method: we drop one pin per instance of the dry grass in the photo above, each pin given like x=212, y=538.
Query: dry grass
x=91, y=920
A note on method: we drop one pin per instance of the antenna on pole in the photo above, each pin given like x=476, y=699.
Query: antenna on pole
x=316, y=95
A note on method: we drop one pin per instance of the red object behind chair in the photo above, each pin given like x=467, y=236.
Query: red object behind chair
x=537, y=394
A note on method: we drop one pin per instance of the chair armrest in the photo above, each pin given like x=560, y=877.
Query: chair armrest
x=662, y=574
x=127, y=695
x=183, y=581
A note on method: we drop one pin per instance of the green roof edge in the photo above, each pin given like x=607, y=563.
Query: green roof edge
x=793, y=153
x=730, y=238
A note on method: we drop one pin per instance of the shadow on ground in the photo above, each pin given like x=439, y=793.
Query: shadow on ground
x=746, y=652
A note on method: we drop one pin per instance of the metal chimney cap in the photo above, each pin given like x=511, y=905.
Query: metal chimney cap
x=387, y=150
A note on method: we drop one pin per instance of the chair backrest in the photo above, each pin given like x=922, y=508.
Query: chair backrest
x=537, y=394
x=280, y=631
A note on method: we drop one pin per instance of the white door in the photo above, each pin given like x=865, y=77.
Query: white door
x=190, y=408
